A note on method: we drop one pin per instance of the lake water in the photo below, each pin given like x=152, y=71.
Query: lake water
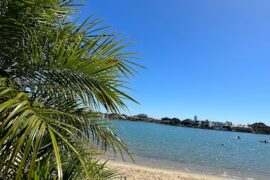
x=197, y=150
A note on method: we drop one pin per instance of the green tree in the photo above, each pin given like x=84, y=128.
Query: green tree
x=54, y=76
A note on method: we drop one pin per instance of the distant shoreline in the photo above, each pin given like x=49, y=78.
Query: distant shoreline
x=256, y=128
x=181, y=126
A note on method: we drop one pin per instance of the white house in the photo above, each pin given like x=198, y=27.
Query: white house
x=216, y=125
x=228, y=124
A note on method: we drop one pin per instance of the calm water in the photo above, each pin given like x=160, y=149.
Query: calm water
x=197, y=150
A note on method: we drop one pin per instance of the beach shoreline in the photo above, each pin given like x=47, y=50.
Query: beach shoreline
x=132, y=171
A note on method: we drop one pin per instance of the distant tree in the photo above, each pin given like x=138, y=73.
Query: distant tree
x=175, y=121
x=165, y=119
x=187, y=122
x=142, y=116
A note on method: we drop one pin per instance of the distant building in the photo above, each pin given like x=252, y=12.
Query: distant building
x=204, y=124
x=260, y=128
x=196, y=123
x=216, y=125
x=227, y=125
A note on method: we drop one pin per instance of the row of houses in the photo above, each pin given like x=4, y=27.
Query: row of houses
x=175, y=121
x=259, y=128
x=207, y=124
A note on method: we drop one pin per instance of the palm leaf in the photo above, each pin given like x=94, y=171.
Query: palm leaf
x=54, y=76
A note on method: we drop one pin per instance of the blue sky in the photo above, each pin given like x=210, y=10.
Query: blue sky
x=209, y=58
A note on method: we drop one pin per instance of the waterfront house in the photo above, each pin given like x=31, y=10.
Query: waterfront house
x=227, y=125
x=196, y=123
x=216, y=125
x=204, y=124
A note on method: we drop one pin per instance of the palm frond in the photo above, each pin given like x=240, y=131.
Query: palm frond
x=54, y=76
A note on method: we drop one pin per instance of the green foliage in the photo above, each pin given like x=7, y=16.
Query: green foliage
x=54, y=74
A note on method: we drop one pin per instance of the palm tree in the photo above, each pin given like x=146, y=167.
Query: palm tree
x=54, y=76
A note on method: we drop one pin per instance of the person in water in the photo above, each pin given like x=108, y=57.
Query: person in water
x=238, y=137
x=264, y=141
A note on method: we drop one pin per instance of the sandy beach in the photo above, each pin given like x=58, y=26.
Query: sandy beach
x=136, y=172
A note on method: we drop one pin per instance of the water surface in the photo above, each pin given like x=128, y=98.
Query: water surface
x=197, y=150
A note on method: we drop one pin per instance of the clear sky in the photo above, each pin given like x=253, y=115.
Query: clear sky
x=209, y=58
